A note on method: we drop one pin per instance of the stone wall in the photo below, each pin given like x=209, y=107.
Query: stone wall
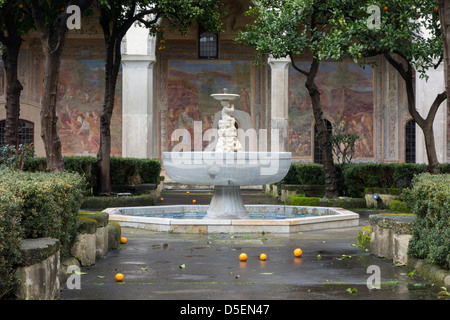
x=42, y=273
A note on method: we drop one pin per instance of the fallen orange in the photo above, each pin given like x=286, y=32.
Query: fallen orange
x=194, y=201
x=187, y=192
x=263, y=257
x=243, y=257
x=162, y=199
x=119, y=277
x=298, y=252
x=123, y=240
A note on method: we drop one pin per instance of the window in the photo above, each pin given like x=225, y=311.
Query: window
x=410, y=141
x=317, y=148
x=26, y=132
x=207, y=44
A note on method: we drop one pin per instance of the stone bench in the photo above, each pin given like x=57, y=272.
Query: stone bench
x=39, y=271
x=390, y=235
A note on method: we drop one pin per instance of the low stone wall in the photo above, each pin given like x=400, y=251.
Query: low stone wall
x=390, y=235
x=42, y=272
x=39, y=272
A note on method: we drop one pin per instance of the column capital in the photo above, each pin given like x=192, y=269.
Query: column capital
x=278, y=63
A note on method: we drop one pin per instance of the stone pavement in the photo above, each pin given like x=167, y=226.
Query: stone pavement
x=192, y=267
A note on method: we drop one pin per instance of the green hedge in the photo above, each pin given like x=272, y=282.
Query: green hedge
x=11, y=236
x=353, y=178
x=36, y=205
x=429, y=199
x=123, y=170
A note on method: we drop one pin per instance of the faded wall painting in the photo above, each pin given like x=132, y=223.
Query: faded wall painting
x=190, y=84
x=79, y=106
x=346, y=93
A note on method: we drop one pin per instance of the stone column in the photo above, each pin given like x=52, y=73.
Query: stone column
x=279, y=101
x=138, y=115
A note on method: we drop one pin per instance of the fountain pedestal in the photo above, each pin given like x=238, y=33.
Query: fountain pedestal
x=227, y=203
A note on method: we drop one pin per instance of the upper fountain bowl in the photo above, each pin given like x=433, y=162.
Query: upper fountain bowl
x=226, y=168
x=225, y=96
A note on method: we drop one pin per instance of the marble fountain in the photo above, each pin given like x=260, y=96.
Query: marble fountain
x=227, y=168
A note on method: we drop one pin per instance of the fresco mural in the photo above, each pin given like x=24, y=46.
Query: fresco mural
x=79, y=106
x=346, y=93
x=189, y=88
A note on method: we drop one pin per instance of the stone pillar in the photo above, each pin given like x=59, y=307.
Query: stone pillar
x=426, y=92
x=279, y=101
x=138, y=116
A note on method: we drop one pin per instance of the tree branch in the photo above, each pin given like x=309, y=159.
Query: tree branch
x=435, y=107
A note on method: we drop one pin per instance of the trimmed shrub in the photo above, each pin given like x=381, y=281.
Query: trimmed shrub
x=429, y=199
x=305, y=173
x=304, y=201
x=123, y=170
x=399, y=206
x=358, y=176
x=47, y=204
x=11, y=237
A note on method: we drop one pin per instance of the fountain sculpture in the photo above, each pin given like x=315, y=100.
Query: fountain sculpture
x=228, y=167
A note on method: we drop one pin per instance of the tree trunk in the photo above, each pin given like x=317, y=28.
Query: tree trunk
x=425, y=124
x=13, y=88
x=49, y=120
x=331, y=190
x=112, y=66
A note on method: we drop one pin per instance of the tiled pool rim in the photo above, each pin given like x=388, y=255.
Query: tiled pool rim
x=323, y=218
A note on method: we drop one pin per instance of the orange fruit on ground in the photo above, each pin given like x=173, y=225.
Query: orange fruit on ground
x=162, y=199
x=263, y=256
x=298, y=252
x=123, y=240
x=194, y=201
x=119, y=277
x=187, y=192
x=243, y=257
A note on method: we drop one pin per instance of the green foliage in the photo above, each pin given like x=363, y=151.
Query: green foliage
x=305, y=174
x=354, y=178
x=304, y=201
x=399, y=206
x=429, y=199
x=364, y=237
x=15, y=159
x=343, y=142
x=46, y=204
x=134, y=171
x=11, y=236
x=294, y=27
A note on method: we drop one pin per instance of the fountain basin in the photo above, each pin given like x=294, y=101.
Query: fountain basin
x=226, y=168
x=226, y=171
x=262, y=218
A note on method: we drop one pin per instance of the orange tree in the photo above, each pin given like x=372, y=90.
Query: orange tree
x=301, y=28
x=409, y=36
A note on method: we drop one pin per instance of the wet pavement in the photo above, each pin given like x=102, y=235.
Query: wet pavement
x=193, y=267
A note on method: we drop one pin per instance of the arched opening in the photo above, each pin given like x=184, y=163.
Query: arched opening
x=26, y=132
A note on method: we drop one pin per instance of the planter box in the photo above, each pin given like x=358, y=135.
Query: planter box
x=390, y=235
